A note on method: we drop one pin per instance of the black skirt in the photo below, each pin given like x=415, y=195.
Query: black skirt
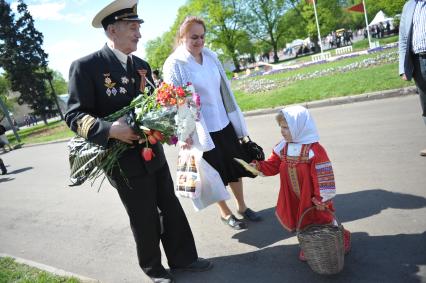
x=221, y=158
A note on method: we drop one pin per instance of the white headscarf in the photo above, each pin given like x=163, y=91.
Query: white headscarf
x=301, y=124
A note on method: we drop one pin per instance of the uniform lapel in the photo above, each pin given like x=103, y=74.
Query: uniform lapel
x=112, y=61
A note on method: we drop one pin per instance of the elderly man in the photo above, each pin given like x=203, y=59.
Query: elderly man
x=412, y=48
x=100, y=84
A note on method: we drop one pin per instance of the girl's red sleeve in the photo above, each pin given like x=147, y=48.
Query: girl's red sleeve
x=270, y=166
x=322, y=174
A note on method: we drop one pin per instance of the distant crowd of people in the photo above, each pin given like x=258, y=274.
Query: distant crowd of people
x=30, y=120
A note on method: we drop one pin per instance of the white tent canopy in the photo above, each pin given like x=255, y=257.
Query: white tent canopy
x=296, y=42
x=380, y=18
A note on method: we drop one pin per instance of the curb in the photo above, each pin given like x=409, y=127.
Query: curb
x=44, y=143
x=342, y=100
x=50, y=269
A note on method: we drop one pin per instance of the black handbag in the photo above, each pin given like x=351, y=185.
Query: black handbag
x=252, y=150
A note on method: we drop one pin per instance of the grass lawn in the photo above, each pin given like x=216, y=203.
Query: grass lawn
x=358, y=81
x=356, y=46
x=330, y=82
x=41, y=133
x=11, y=271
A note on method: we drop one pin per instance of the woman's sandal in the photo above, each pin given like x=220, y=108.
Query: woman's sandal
x=234, y=223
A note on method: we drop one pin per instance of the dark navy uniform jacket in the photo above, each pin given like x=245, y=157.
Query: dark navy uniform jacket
x=99, y=86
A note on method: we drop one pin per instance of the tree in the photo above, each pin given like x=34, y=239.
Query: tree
x=263, y=21
x=59, y=84
x=23, y=58
x=157, y=50
x=225, y=30
x=329, y=18
x=4, y=89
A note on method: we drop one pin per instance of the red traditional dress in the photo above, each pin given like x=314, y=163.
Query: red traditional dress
x=305, y=173
x=302, y=176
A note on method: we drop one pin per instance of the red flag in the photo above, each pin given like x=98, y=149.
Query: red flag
x=357, y=8
x=310, y=1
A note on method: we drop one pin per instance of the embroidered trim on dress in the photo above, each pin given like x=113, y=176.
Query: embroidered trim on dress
x=325, y=176
x=292, y=173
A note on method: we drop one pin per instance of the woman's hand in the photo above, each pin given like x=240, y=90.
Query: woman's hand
x=187, y=144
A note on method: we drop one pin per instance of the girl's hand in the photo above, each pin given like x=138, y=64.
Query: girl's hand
x=253, y=164
x=319, y=204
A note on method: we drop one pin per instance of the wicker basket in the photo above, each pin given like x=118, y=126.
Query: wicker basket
x=322, y=245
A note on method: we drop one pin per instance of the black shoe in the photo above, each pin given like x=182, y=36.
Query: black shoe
x=250, y=215
x=234, y=222
x=200, y=264
x=162, y=277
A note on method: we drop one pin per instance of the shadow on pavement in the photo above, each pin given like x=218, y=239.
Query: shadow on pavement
x=390, y=258
x=6, y=179
x=349, y=207
x=17, y=171
x=365, y=203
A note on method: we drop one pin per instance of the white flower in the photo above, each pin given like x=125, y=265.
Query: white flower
x=185, y=121
x=122, y=90
x=190, y=88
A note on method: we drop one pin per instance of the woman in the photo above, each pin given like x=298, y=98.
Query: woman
x=221, y=122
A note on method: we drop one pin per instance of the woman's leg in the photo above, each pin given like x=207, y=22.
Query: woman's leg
x=225, y=212
x=228, y=218
x=237, y=190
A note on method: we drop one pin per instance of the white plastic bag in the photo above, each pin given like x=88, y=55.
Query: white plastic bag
x=188, y=182
x=212, y=188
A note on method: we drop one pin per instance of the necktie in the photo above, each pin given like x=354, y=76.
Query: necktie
x=130, y=74
x=129, y=66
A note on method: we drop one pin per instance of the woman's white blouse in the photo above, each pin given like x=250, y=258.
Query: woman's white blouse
x=206, y=81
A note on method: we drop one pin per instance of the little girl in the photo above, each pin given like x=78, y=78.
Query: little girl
x=306, y=174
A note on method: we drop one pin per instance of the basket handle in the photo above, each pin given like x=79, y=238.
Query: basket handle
x=309, y=209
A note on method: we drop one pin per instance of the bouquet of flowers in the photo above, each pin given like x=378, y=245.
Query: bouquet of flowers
x=167, y=116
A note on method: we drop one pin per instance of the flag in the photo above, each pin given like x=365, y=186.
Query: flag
x=357, y=8
x=310, y=1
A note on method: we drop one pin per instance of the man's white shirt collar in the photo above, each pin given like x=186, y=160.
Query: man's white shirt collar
x=122, y=57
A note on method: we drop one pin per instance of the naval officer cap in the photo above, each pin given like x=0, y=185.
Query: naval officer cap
x=118, y=10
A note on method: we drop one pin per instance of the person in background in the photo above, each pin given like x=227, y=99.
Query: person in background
x=157, y=79
x=222, y=122
x=3, y=167
x=101, y=84
x=3, y=139
x=412, y=49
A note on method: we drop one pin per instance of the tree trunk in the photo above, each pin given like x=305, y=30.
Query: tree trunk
x=276, y=58
x=316, y=45
x=55, y=98
x=236, y=63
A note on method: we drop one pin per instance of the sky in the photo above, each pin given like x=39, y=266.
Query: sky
x=68, y=32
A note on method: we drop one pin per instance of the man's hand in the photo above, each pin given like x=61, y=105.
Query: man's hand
x=121, y=131
x=404, y=77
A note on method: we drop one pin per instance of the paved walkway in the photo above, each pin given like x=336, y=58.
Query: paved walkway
x=374, y=146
